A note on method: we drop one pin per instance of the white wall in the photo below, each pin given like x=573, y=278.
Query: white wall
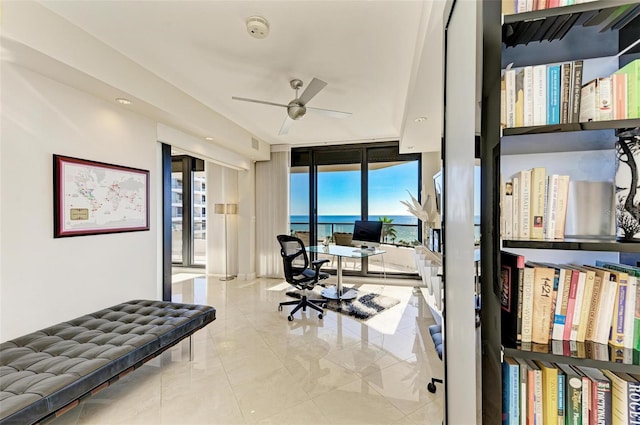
x=44, y=280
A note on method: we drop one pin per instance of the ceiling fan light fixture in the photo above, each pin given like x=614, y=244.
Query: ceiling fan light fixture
x=257, y=27
x=296, y=110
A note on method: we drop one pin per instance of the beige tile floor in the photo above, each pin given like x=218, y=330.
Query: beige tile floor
x=252, y=366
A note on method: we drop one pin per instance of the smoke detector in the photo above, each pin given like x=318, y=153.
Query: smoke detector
x=258, y=27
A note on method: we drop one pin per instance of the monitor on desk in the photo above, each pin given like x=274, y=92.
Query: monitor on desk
x=367, y=233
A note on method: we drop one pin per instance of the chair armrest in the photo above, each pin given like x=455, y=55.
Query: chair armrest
x=320, y=262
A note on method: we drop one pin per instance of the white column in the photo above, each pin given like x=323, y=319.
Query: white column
x=246, y=224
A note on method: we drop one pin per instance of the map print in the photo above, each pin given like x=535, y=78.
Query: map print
x=103, y=198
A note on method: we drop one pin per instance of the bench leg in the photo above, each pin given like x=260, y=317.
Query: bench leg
x=191, y=348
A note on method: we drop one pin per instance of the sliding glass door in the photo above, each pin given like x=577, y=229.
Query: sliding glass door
x=188, y=211
x=357, y=182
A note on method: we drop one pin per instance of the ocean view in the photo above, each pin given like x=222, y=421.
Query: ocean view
x=406, y=226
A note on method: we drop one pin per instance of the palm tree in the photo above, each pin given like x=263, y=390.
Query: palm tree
x=388, y=231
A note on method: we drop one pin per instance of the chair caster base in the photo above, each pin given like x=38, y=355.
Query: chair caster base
x=279, y=308
x=320, y=316
x=290, y=318
x=431, y=387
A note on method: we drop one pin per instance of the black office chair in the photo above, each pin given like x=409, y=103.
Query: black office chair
x=297, y=273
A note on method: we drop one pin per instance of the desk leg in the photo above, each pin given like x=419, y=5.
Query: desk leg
x=336, y=293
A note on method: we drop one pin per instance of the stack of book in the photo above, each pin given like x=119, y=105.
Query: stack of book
x=534, y=205
x=545, y=302
x=548, y=393
x=554, y=94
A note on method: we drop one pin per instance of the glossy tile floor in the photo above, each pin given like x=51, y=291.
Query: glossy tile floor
x=252, y=366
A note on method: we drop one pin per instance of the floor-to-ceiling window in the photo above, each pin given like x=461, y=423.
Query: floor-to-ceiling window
x=188, y=211
x=332, y=187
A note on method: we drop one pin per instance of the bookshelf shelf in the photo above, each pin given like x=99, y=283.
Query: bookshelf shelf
x=575, y=360
x=563, y=128
x=603, y=244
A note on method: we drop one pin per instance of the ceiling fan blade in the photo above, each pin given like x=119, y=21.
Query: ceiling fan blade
x=244, y=99
x=286, y=125
x=312, y=89
x=329, y=112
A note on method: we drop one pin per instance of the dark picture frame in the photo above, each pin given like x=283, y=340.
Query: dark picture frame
x=91, y=198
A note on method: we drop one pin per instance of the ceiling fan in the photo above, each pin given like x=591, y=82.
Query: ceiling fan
x=298, y=106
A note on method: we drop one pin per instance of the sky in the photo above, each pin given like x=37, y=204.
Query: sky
x=339, y=191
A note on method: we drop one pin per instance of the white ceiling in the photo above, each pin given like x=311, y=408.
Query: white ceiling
x=376, y=56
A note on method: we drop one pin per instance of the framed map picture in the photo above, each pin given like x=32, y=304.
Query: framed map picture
x=93, y=197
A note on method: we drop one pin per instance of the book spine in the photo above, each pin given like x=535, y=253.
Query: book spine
x=527, y=304
x=586, y=305
x=577, y=309
x=619, y=83
x=636, y=322
x=538, y=398
x=561, y=398
x=630, y=308
x=510, y=393
x=576, y=91
x=605, y=99
x=553, y=94
x=574, y=401
x=519, y=307
x=519, y=98
x=542, y=293
x=602, y=407
x=571, y=302
x=510, y=77
x=633, y=403
x=617, y=327
x=515, y=215
x=561, y=206
x=538, y=196
x=550, y=393
x=559, y=315
x=507, y=210
x=503, y=100
x=525, y=204
x=539, y=95
x=528, y=96
x=607, y=309
x=588, y=101
x=551, y=207
x=586, y=400
x=565, y=92
x=593, y=308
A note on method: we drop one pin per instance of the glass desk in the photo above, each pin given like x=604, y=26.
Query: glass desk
x=336, y=293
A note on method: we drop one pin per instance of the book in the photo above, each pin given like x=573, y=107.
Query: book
x=510, y=84
x=527, y=304
x=553, y=94
x=507, y=210
x=535, y=388
x=524, y=219
x=503, y=102
x=588, y=101
x=619, y=89
x=600, y=410
x=622, y=395
x=577, y=309
x=561, y=395
x=618, y=317
x=510, y=391
x=551, y=207
x=560, y=316
x=539, y=94
x=525, y=372
x=633, y=399
x=554, y=293
x=604, y=93
x=561, y=206
x=519, y=112
x=542, y=297
x=571, y=303
x=576, y=81
x=537, y=202
x=565, y=91
x=606, y=307
x=632, y=71
x=515, y=216
x=511, y=284
x=594, y=303
x=586, y=395
x=573, y=395
x=549, y=392
x=528, y=96
x=586, y=303
x=629, y=274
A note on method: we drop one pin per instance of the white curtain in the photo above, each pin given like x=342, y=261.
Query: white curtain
x=272, y=212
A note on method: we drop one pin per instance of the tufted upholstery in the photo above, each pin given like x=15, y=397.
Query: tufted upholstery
x=44, y=371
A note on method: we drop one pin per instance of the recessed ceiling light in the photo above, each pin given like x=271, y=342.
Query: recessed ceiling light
x=123, y=101
x=420, y=119
x=209, y=139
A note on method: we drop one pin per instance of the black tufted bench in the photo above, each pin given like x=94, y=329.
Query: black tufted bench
x=45, y=373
